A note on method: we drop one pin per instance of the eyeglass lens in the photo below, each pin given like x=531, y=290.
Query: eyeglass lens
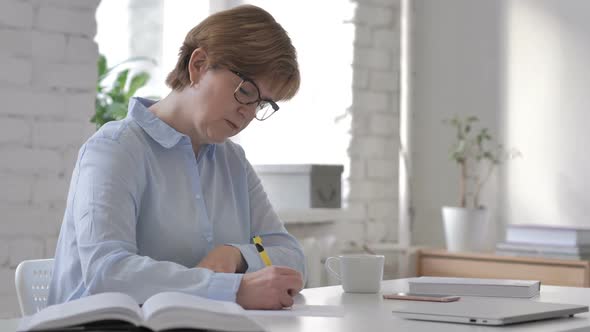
x=247, y=93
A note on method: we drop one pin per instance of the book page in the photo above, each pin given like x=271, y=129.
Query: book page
x=302, y=310
x=167, y=301
x=171, y=310
x=105, y=306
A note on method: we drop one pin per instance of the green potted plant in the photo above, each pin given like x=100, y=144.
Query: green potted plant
x=112, y=99
x=476, y=154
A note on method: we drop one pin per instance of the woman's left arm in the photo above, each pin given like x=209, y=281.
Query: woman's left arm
x=282, y=248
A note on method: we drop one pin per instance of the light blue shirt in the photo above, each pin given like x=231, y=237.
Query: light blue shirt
x=143, y=211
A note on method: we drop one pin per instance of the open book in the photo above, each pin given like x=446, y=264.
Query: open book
x=163, y=311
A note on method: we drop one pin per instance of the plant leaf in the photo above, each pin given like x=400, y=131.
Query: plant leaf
x=112, y=99
x=120, y=82
x=137, y=82
x=117, y=97
x=102, y=65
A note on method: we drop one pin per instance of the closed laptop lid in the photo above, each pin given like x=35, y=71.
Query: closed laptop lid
x=485, y=311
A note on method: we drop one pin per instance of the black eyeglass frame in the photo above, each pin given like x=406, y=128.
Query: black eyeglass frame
x=271, y=102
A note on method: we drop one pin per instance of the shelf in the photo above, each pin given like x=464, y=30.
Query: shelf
x=318, y=216
x=432, y=262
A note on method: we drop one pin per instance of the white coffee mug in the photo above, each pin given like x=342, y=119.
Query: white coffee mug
x=358, y=273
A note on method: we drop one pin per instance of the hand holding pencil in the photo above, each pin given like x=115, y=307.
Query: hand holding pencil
x=273, y=287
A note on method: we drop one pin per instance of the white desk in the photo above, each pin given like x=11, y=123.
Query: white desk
x=369, y=312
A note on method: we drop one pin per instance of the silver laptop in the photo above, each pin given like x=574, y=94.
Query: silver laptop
x=485, y=311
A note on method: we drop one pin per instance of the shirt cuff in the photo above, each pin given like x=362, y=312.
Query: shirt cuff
x=224, y=286
x=251, y=256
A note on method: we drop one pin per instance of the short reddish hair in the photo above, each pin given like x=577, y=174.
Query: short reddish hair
x=246, y=39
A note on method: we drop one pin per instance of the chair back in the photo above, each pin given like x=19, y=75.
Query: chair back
x=32, y=280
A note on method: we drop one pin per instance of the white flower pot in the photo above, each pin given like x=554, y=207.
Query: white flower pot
x=465, y=229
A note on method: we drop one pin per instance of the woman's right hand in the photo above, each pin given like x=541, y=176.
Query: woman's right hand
x=273, y=287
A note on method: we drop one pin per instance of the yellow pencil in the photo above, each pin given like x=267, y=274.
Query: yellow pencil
x=257, y=240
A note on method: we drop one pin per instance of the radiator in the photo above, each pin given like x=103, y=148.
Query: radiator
x=316, y=250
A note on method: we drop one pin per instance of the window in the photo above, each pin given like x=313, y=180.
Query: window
x=311, y=128
x=163, y=26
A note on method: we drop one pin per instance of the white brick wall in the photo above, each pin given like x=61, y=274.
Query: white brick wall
x=47, y=82
x=18, y=14
x=14, y=71
x=375, y=119
x=15, y=42
x=71, y=21
x=48, y=45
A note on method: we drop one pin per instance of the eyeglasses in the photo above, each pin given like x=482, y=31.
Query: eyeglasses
x=247, y=93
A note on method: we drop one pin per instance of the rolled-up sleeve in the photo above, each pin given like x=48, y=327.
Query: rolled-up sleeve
x=105, y=211
x=282, y=248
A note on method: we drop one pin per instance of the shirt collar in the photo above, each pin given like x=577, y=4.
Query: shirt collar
x=157, y=129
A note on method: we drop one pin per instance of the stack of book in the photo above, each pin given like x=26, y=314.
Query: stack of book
x=546, y=241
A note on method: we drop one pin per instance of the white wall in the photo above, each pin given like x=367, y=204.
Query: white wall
x=548, y=112
x=374, y=143
x=456, y=68
x=522, y=67
x=47, y=85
